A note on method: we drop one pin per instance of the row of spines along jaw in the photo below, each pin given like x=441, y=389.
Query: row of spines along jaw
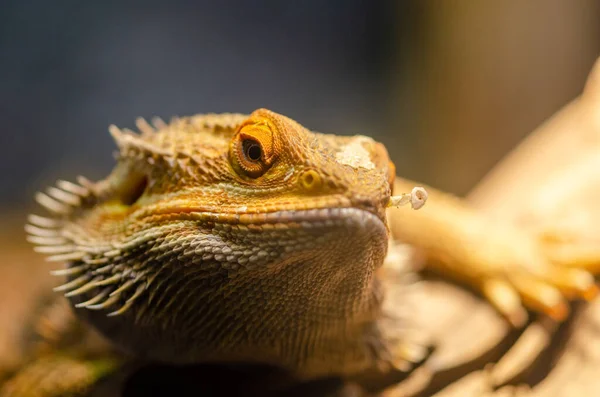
x=89, y=265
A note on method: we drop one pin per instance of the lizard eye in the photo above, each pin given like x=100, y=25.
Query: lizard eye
x=251, y=150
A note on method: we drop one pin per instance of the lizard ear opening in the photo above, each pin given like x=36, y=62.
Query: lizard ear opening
x=132, y=189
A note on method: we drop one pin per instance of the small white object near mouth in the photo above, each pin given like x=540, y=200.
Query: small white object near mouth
x=417, y=198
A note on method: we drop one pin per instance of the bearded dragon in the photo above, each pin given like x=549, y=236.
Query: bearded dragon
x=237, y=238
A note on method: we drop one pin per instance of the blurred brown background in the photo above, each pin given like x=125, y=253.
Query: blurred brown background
x=480, y=75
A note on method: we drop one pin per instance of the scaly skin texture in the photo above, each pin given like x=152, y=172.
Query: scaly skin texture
x=236, y=238
x=199, y=253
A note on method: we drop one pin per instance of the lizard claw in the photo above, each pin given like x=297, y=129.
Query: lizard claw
x=511, y=297
x=506, y=300
x=407, y=355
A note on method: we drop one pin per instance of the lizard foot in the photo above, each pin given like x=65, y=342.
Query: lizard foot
x=546, y=273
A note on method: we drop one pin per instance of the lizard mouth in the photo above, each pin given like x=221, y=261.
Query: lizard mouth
x=324, y=211
x=310, y=218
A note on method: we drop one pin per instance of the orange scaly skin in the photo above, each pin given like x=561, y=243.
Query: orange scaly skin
x=235, y=238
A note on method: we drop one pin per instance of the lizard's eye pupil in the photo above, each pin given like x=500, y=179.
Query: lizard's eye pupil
x=252, y=150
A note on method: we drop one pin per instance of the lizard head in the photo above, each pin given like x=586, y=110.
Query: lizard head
x=214, y=229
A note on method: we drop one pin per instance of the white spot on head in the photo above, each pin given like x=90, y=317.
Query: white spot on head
x=355, y=155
